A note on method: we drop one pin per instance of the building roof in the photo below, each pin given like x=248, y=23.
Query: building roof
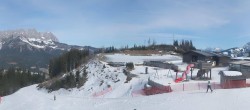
x=202, y=53
x=241, y=58
x=220, y=55
x=239, y=62
x=207, y=54
x=246, y=64
x=232, y=75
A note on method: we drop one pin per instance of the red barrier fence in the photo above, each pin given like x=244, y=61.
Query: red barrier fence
x=177, y=88
x=97, y=94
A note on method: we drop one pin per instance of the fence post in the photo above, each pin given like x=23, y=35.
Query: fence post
x=199, y=86
x=183, y=86
x=169, y=88
x=214, y=85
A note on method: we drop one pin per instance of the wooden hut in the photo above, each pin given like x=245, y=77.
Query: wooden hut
x=232, y=79
x=221, y=60
x=195, y=56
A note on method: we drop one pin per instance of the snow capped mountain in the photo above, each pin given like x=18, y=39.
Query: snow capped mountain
x=28, y=48
x=32, y=39
x=209, y=49
x=235, y=52
x=29, y=34
x=238, y=51
x=247, y=47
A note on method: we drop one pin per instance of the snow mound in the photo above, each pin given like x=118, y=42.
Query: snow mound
x=232, y=73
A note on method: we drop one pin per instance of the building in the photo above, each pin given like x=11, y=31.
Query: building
x=195, y=56
x=159, y=64
x=236, y=65
x=245, y=69
x=232, y=79
x=116, y=64
x=242, y=66
x=240, y=58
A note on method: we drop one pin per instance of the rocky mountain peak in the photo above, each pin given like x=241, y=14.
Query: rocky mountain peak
x=28, y=34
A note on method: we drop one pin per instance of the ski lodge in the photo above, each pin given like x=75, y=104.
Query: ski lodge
x=195, y=56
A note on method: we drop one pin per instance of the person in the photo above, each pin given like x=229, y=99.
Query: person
x=209, y=86
x=54, y=97
x=146, y=70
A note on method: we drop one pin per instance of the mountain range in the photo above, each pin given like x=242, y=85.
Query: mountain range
x=232, y=52
x=28, y=48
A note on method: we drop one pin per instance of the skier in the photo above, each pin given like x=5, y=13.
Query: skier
x=209, y=86
x=54, y=97
x=146, y=70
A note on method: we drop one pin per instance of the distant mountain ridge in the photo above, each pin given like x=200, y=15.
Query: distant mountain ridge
x=30, y=48
x=28, y=33
x=231, y=52
x=235, y=52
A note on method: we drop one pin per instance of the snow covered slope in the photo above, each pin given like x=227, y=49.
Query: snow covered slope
x=106, y=89
x=30, y=98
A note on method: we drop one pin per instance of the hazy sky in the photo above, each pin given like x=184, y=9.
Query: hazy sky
x=209, y=23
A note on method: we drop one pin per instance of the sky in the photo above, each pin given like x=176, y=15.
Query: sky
x=208, y=23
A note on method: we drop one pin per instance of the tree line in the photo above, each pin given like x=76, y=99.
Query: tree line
x=70, y=80
x=64, y=64
x=179, y=46
x=67, y=62
x=13, y=79
x=184, y=45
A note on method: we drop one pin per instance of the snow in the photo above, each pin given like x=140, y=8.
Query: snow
x=232, y=73
x=29, y=98
x=34, y=45
x=140, y=59
x=32, y=41
x=96, y=94
x=241, y=58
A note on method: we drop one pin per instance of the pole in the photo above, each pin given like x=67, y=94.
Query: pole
x=214, y=85
x=199, y=86
x=183, y=86
x=210, y=74
x=176, y=75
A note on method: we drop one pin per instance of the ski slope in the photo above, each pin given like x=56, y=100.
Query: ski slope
x=29, y=98
x=106, y=89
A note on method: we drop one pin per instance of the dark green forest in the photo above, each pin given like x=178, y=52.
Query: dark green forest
x=13, y=79
x=67, y=62
x=64, y=64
